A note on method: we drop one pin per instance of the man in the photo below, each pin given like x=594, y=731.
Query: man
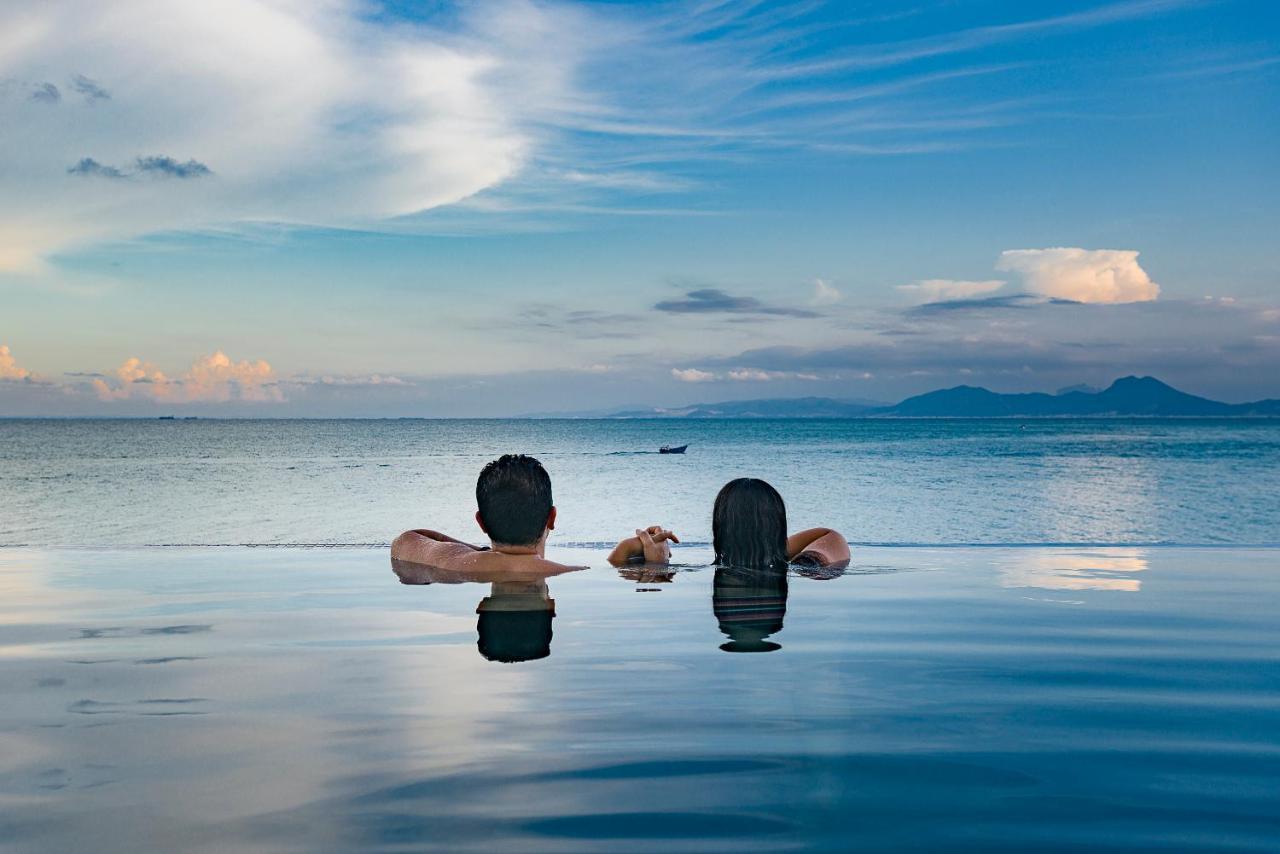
x=513, y=497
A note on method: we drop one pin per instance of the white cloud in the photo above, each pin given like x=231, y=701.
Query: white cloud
x=693, y=375
x=9, y=368
x=1081, y=275
x=942, y=290
x=756, y=375
x=348, y=380
x=210, y=379
x=825, y=293
x=189, y=115
x=301, y=112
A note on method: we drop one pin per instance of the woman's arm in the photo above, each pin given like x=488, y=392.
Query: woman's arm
x=648, y=545
x=821, y=546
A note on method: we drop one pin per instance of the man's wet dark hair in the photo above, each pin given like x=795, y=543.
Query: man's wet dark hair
x=512, y=636
x=749, y=525
x=513, y=494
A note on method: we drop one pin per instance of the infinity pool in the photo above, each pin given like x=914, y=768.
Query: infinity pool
x=225, y=699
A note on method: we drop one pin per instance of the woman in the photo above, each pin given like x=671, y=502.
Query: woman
x=749, y=530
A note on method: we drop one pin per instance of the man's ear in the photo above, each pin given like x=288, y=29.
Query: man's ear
x=480, y=522
x=551, y=519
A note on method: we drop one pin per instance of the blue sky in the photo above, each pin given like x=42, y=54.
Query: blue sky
x=352, y=208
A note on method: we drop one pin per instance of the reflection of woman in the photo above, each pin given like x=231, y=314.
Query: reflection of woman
x=750, y=605
x=749, y=530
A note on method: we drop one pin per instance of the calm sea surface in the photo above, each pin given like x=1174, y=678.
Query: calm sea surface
x=1116, y=694
x=144, y=482
x=951, y=699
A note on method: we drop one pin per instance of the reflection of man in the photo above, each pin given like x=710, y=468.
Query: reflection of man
x=750, y=605
x=515, y=621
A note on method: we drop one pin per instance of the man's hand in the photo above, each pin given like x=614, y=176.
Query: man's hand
x=653, y=544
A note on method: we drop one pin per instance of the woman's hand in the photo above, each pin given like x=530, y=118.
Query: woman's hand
x=649, y=545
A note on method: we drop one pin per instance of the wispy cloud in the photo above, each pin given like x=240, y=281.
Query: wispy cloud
x=323, y=117
x=154, y=165
x=717, y=301
x=89, y=89
x=1221, y=67
x=332, y=117
x=755, y=375
x=825, y=293
x=739, y=375
x=89, y=167
x=46, y=93
x=693, y=375
x=975, y=305
x=347, y=380
x=167, y=166
x=936, y=290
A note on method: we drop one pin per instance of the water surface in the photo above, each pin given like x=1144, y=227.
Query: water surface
x=949, y=699
x=1098, y=481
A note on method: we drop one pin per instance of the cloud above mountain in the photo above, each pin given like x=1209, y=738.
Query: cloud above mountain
x=1081, y=275
x=1065, y=274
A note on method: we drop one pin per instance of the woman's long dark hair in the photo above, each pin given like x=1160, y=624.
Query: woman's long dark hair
x=749, y=525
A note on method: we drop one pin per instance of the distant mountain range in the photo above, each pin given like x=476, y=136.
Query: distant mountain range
x=1129, y=396
x=784, y=407
x=1126, y=396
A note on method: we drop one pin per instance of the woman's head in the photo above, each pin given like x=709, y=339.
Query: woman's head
x=749, y=525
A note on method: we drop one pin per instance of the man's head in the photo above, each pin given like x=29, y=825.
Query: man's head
x=513, y=494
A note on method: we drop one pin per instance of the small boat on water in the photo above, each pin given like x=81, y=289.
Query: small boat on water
x=667, y=449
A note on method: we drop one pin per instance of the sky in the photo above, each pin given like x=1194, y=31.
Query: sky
x=357, y=208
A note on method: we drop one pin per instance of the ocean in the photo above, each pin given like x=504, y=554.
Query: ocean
x=1052, y=636
x=353, y=482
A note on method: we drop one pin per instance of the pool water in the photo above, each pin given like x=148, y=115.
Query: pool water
x=278, y=699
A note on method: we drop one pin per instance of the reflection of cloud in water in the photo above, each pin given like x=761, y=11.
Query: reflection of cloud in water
x=1050, y=570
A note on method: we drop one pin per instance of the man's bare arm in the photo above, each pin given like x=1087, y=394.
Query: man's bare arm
x=424, y=557
x=418, y=554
